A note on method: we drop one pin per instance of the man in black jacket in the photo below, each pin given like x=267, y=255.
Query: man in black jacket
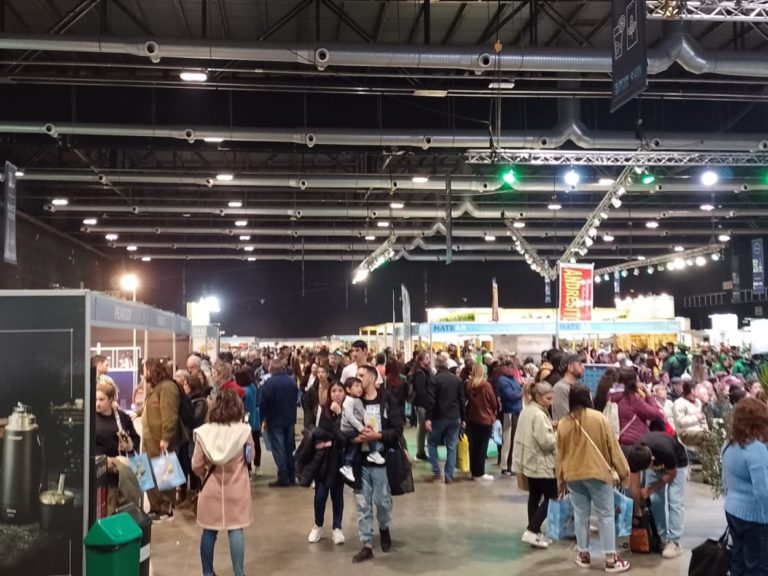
x=420, y=379
x=384, y=418
x=445, y=417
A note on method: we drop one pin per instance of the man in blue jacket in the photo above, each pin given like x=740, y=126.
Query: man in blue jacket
x=511, y=395
x=277, y=406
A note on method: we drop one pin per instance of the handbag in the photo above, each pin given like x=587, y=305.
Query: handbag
x=399, y=471
x=711, y=558
x=462, y=454
x=139, y=464
x=644, y=538
x=522, y=482
x=167, y=471
x=614, y=475
x=561, y=523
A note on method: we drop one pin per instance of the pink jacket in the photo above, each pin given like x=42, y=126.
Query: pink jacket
x=630, y=406
x=225, y=501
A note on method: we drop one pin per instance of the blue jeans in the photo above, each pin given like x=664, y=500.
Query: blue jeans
x=283, y=443
x=375, y=490
x=749, y=556
x=668, y=504
x=337, y=503
x=586, y=494
x=444, y=432
x=236, y=550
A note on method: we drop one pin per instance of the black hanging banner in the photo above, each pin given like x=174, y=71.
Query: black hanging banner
x=630, y=53
x=9, y=187
x=735, y=278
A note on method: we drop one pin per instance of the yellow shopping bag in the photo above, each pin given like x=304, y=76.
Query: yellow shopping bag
x=462, y=454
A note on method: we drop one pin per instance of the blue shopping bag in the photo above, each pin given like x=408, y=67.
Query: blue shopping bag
x=167, y=471
x=560, y=522
x=623, y=506
x=139, y=464
x=497, y=433
x=408, y=409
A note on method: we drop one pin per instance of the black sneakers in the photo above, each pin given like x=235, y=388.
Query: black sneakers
x=386, y=540
x=365, y=554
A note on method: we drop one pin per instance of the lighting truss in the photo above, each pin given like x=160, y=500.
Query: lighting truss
x=615, y=158
x=708, y=11
x=650, y=262
x=584, y=238
x=536, y=262
x=375, y=259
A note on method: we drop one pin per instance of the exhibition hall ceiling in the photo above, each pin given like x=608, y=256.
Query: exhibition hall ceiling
x=325, y=130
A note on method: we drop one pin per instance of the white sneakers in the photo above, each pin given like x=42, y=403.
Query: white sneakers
x=535, y=540
x=347, y=472
x=671, y=550
x=376, y=458
x=315, y=535
x=338, y=536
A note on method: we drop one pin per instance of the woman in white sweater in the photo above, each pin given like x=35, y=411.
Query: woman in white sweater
x=690, y=422
x=533, y=455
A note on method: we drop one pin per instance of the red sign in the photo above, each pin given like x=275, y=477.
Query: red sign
x=576, y=292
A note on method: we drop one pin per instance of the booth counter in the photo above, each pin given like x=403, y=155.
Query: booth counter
x=47, y=416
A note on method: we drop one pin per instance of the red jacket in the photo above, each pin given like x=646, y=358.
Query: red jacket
x=232, y=385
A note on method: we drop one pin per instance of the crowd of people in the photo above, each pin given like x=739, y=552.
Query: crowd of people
x=639, y=428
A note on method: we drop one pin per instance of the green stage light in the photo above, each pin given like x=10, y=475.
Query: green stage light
x=509, y=176
x=647, y=178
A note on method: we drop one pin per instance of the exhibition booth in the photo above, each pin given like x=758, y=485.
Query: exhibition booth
x=48, y=496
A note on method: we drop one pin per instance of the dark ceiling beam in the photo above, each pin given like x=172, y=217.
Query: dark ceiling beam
x=427, y=21
x=383, y=13
x=182, y=17
x=50, y=10
x=564, y=24
x=349, y=21
x=503, y=22
x=137, y=21
x=104, y=29
x=224, y=18
x=67, y=21
x=599, y=26
x=569, y=19
x=455, y=23
x=493, y=21
x=534, y=16
x=204, y=19
x=290, y=15
x=12, y=10
x=415, y=27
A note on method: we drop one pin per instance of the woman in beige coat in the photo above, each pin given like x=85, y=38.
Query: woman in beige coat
x=533, y=456
x=223, y=449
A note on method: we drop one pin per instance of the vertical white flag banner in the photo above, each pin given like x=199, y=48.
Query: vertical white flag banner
x=407, y=344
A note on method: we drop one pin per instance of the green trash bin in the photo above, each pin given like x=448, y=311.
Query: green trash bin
x=112, y=547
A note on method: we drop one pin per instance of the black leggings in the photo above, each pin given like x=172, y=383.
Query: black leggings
x=537, y=509
x=478, y=435
x=256, y=435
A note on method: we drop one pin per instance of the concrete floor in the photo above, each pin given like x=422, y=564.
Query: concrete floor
x=464, y=528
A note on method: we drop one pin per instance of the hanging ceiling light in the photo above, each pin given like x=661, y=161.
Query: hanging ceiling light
x=370, y=238
x=111, y=237
x=251, y=258
x=193, y=76
x=572, y=177
x=245, y=238
x=707, y=207
x=235, y=204
x=709, y=178
x=241, y=223
x=146, y=259
x=605, y=181
x=490, y=238
x=213, y=140
x=640, y=258
x=679, y=249
x=248, y=248
x=588, y=242
x=715, y=256
x=131, y=248
x=653, y=224
x=724, y=238
x=90, y=221
x=518, y=224
x=607, y=238
x=615, y=202
x=225, y=177
x=554, y=206
x=59, y=201
x=598, y=279
x=383, y=223
x=395, y=205
x=420, y=179
x=700, y=261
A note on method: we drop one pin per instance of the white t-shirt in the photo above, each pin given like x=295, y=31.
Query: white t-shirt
x=351, y=372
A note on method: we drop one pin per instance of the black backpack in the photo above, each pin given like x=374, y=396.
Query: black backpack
x=186, y=412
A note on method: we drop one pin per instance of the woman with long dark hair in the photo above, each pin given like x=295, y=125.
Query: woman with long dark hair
x=223, y=450
x=328, y=438
x=745, y=479
x=607, y=381
x=635, y=410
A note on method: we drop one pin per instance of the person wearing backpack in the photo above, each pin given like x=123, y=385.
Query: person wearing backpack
x=223, y=450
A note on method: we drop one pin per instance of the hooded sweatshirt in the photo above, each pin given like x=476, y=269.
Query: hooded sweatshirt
x=225, y=500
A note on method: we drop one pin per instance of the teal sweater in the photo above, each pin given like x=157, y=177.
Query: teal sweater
x=745, y=478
